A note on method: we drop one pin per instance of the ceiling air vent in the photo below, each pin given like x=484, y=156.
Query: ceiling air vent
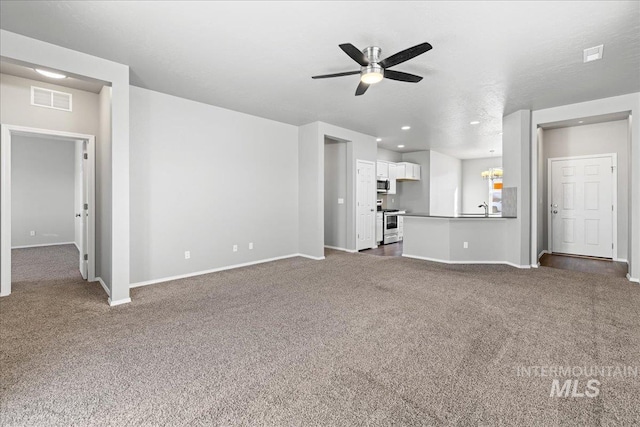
x=50, y=98
x=593, y=53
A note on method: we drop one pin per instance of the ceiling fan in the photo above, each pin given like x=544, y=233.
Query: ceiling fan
x=372, y=69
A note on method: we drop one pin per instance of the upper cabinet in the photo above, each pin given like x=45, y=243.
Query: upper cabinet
x=382, y=170
x=407, y=171
x=393, y=168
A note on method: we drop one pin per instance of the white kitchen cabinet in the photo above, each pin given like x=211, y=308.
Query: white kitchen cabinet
x=392, y=178
x=400, y=227
x=406, y=171
x=379, y=225
x=382, y=170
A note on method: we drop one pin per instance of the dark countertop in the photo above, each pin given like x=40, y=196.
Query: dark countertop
x=459, y=216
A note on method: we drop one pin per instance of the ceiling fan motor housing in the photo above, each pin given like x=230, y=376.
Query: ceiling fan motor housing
x=372, y=53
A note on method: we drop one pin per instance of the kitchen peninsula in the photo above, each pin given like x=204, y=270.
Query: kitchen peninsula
x=462, y=239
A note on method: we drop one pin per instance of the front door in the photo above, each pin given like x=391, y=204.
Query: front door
x=581, y=206
x=365, y=205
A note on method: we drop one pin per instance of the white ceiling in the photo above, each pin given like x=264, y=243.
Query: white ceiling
x=488, y=59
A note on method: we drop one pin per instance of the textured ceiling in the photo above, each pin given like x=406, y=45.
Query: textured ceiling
x=488, y=58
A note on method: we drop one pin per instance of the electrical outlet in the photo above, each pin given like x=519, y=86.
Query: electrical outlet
x=251, y=245
x=32, y=233
x=235, y=248
x=187, y=254
x=465, y=245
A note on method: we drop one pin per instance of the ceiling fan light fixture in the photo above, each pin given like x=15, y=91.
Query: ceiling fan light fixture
x=371, y=74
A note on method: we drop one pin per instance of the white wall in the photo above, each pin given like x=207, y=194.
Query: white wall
x=599, y=138
x=445, y=182
x=104, y=189
x=388, y=155
x=16, y=108
x=204, y=179
x=335, y=187
x=415, y=195
x=516, y=163
x=43, y=191
x=475, y=190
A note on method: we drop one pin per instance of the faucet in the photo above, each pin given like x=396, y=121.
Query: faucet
x=486, y=208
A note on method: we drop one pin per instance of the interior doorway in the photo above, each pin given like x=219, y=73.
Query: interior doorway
x=83, y=211
x=582, y=205
x=335, y=194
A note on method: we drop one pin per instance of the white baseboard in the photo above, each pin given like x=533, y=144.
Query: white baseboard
x=621, y=260
x=213, y=270
x=544, y=251
x=316, y=258
x=77, y=247
x=42, y=245
x=351, y=251
x=104, y=285
x=442, y=261
x=632, y=279
x=119, y=302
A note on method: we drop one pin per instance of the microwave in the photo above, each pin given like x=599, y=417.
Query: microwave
x=383, y=185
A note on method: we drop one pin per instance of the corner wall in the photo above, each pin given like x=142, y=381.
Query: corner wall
x=204, y=179
x=516, y=152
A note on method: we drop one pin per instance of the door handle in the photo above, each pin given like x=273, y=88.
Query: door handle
x=371, y=210
x=78, y=215
x=555, y=211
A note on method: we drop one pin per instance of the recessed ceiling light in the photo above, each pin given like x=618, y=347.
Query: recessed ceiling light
x=50, y=74
x=400, y=146
x=581, y=121
x=475, y=122
x=592, y=53
x=405, y=127
x=378, y=139
x=500, y=133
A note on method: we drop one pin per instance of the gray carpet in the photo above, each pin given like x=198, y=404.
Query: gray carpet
x=352, y=340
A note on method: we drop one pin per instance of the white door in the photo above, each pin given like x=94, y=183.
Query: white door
x=365, y=205
x=582, y=206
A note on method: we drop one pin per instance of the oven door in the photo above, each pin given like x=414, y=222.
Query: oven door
x=390, y=224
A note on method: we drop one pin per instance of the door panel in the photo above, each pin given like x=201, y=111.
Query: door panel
x=366, y=209
x=581, y=206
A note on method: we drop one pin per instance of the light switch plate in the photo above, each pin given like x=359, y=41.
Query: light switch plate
x=341, y=201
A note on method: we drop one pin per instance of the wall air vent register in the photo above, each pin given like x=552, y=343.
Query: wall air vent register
x=48, y=98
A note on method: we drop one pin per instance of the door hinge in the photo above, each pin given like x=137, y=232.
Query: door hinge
x=86, y=206
x=612, y=246
x=86, y=257
x=611, y=208
x=611, y=169
x=86, y=156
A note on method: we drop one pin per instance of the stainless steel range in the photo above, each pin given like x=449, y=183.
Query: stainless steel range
x=391, y=225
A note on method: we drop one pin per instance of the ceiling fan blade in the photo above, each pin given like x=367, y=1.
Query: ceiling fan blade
x=402, y=77
x=355, y=54
x=405, y=55
x=326, y=76
x=362, y=88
